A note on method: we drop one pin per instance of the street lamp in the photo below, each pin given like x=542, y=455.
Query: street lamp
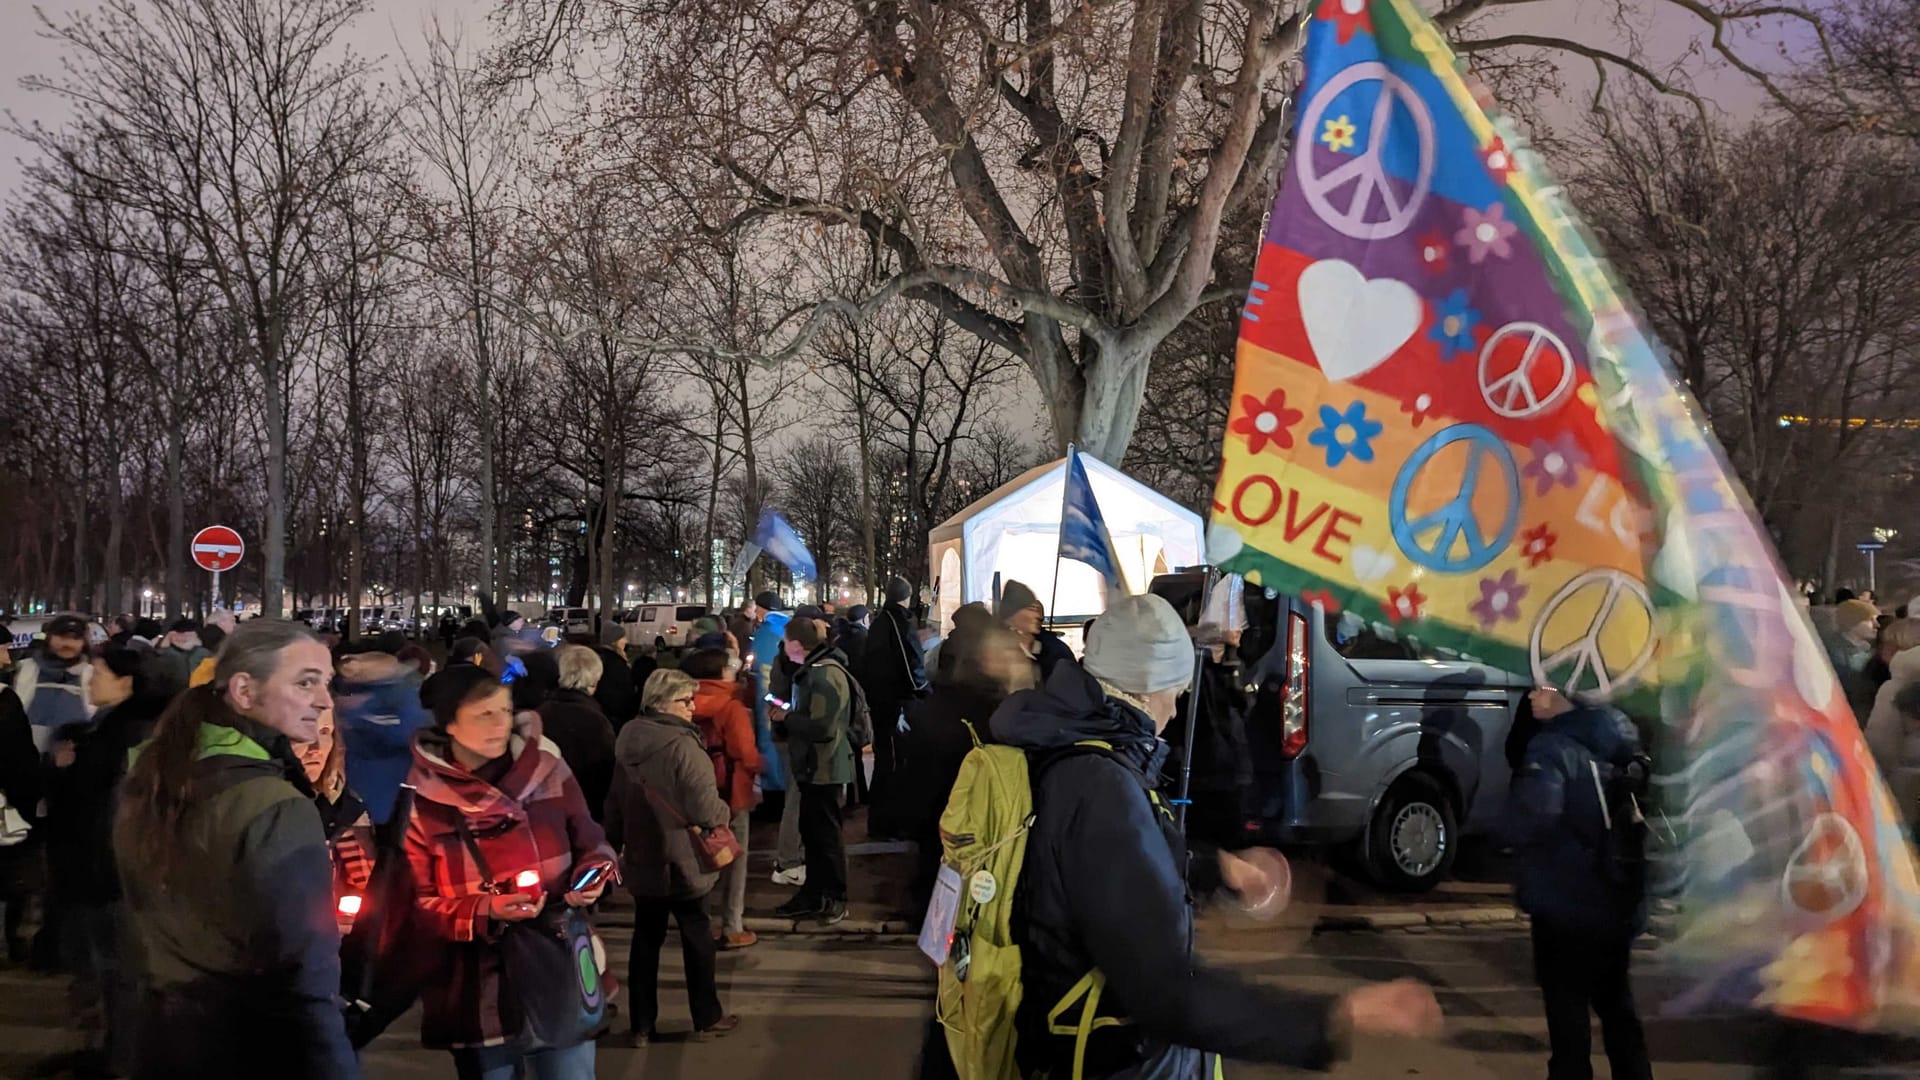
x=146, y=603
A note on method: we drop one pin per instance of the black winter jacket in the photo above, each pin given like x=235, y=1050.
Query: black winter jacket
x=1221, y=759
x=617, y=695
x=1102, y=888
x=577, y=726
x=1557, y=829
x=82, y=798
x=1050, y=651
x=894, y=671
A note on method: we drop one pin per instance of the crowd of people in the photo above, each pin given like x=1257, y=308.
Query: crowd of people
x=230, y=830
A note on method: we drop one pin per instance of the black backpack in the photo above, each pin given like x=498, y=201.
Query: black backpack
x=1622, y=791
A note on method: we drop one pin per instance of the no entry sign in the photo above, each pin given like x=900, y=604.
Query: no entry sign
x=217, y=548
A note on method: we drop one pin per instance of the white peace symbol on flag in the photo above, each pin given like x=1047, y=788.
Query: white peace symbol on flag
x=1584, y=652
x=1366, y=172
x=1515, y=395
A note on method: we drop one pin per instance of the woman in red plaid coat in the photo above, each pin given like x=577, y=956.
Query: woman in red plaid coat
x=483, y=765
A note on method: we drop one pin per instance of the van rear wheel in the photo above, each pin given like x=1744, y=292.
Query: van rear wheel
x=1414, y=835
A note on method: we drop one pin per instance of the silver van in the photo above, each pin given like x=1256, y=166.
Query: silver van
x=1365, y=739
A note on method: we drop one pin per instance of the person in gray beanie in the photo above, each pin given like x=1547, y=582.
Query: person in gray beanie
x=1107, y=877
x=1020, y=611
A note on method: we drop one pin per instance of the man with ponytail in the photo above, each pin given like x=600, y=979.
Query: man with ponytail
x=226, y=873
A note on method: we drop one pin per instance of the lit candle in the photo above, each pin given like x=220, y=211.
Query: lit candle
x=350, y=905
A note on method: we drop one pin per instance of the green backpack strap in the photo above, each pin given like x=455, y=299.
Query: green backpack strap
x=1086, y=992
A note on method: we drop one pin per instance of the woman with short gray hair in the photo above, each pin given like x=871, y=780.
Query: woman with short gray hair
x=664, y=785
x=578, y=726
x=663, y=687
x=580, y=668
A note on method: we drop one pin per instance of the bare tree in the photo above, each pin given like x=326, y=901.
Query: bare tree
x=256, y=120
x=469, y=142
x=1049, y=177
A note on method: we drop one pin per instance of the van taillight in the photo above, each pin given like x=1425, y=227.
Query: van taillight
x=1293, y=698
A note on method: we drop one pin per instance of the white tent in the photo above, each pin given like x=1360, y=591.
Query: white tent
x=1014, y=533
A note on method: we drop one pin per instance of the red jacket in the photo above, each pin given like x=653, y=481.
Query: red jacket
x=536, y=819
x=727, y=724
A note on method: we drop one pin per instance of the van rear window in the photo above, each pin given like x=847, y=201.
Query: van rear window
x=689, y=613
x=1357, y=639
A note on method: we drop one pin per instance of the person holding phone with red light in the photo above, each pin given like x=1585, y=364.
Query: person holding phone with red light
x=500, y=831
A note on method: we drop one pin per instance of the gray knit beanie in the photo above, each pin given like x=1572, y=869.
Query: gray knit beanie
x=899, y=590
x=1140, y=646
x=1015, y=597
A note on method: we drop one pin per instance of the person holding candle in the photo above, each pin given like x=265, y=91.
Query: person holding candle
x=487, y=781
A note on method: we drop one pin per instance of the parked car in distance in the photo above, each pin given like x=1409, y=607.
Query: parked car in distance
x=1366, y=739
x=576, y=620
x=664, y=626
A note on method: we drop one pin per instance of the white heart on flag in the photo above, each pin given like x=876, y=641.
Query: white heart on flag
x=1355, y=324
x=1223, y=542
x=1370, y=565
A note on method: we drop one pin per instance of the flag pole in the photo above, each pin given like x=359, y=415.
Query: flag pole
x=1060, y=536
x=1210, y=580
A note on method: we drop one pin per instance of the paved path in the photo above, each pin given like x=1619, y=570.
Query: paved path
x=824, y=1007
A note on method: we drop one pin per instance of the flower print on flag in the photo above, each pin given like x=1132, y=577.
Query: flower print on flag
x=1346, y=434
x=1499, y=600
x=1338, y=133
x=1498, y=160
x=1556, y=461
x=1537, y=544
x=1405, y=605
x=1347, y=16
x=1268, y=421
x=1484, y=232
x=1322, y=599
x=1453, y=323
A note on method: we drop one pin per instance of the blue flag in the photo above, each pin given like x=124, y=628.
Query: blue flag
x=1083, y=532
x=779, y=540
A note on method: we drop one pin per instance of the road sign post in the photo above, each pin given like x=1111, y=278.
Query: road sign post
x=215, y=549
x=1872, y=548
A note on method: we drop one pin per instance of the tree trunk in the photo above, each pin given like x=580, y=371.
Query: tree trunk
x=116, y=538
x=869, y=541
x=276, y=541
x=489, y=510
x=1832, y=579
x=176, y=584
x=356, y=499
x=750, y=459
x=609, y=501
x=713, y=500
x=1116, y=387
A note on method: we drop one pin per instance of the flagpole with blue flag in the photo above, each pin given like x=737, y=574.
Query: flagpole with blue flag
x=777, y=537
x=1083, y=530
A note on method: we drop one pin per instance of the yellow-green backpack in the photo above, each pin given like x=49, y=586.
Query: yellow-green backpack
x=983, y=837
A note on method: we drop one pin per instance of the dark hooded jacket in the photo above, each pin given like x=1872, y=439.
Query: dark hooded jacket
x=893, y=670
x=81, y=799
x=619, y=698
x=1102, y=887
x=580, y=729
x=240, y=948
x=1557, y=828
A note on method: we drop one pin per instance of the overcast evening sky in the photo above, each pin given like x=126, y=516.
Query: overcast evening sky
x=396, y=25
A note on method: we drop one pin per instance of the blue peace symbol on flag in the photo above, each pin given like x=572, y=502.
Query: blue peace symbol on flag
x=1432, y=539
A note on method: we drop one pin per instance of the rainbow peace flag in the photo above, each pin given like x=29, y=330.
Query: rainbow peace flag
x=1449, y=425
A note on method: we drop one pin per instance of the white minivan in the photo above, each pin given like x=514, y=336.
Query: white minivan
x=664, y=626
